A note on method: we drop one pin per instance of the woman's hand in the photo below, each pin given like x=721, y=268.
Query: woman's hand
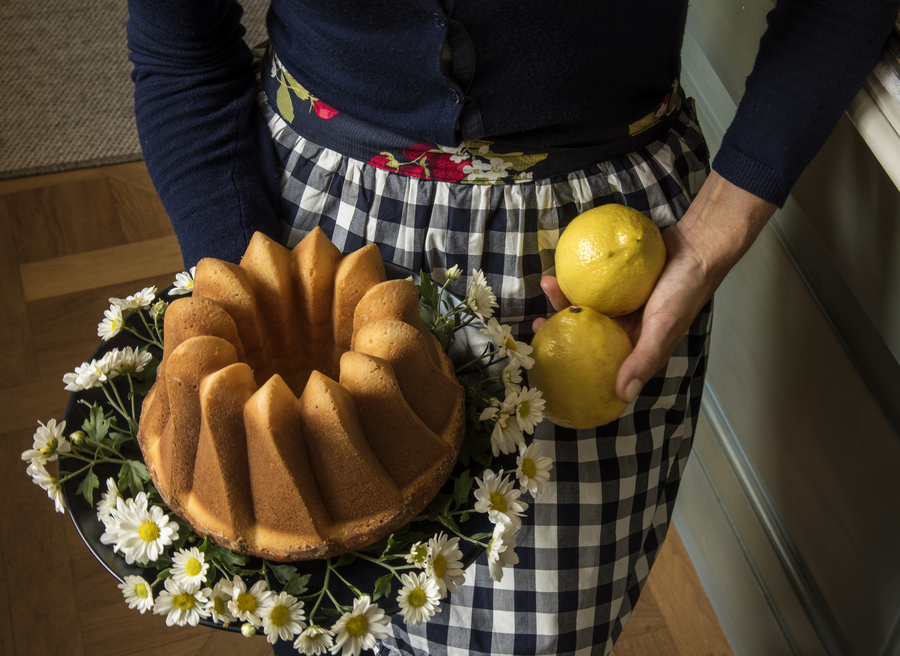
x=720, y=226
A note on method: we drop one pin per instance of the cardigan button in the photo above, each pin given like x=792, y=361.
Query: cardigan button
x=455, y=95
x=439, y=20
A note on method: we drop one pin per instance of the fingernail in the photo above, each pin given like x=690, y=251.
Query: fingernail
x=632, y=390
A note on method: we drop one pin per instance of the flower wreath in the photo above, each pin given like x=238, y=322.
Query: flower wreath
x=201, y=580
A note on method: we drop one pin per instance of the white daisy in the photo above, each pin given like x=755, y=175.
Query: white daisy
x=112, y=323
x=217, y=599
x=507, y=434
x=529, y=409
x=314, y=641
x=137, y=593
x=361, y=628
x=444, y=563
x=501, y=335
x=184, y=283
x=142, y=299
x=282, y=617
x=129, y=360
x=246, y=604
x=533, y=469
x=108, y=501
x=53, y=487
x=418, y=554
x=499, y=499
x=511, y=376
x=419, y=598
x=501, y=551
x=49, y=442
x=189, y=568
x=480, y=298
x=88, y=375
x=72, y=382
x=180, y=605
x=140, y=533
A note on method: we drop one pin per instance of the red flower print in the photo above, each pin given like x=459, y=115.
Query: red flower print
x=322, y=110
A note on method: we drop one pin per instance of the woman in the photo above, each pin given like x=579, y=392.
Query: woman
x=469, y=134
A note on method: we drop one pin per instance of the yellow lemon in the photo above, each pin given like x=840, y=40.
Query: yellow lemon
x=577, y=356
x=609, y=259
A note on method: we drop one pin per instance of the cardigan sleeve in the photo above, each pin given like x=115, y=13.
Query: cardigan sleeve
x=204, y=138
x=812, y=60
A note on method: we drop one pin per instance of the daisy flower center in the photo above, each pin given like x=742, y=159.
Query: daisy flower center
x=50, y=447
x=417, y=598
x=524, y=409
x=149, y=531
x=357, y=626
x=498, y=502
x=192, y=567
x=141, y=591
x=504, y=421
x=279, y=616
x=246, y=602
x=511, y=344
x=440, y=566
x=183, y=601
x=529, y=468
x=219, y=605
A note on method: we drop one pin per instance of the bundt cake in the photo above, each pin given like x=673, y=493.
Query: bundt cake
x=301, y=408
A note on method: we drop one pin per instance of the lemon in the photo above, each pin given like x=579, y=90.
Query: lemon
x=609, y=259
x=577, y=356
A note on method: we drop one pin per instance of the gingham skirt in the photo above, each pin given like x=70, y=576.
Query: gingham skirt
x=587, y=546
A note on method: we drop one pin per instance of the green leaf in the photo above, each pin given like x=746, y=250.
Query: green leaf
x=285, y=103
x=383, y=586
x=461, y=489
x=229, y=560
x=297, y=585
x=88, y=484
x=345, y=559
x=133, y=475
x=96, y=426
x=438, y=506
x=283, y=573
x=430, y=291
x=449, y=522
x=296, y=87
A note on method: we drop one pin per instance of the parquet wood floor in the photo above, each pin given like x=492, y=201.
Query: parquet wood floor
x=68, y=242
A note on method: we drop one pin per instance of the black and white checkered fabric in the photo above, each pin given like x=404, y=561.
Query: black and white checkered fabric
x=587, y=546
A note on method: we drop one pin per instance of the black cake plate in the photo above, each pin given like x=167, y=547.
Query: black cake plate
x=468, y=344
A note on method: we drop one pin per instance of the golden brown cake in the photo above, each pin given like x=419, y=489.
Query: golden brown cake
x=301, y=408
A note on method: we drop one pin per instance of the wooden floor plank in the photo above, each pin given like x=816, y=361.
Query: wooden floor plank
x=140, y=212
x=101, y=267
x=677, y=588
x=65, y=325
x=63, y=220
x=18, y=355
x=132, y=173
x=43, y=602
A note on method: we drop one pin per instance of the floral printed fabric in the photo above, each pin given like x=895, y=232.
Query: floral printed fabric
x=472, y=162
x=476, y=162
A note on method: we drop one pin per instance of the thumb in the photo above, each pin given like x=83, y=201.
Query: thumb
x=658, y=340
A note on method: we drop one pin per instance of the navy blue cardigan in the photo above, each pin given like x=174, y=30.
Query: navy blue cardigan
x=528, y=72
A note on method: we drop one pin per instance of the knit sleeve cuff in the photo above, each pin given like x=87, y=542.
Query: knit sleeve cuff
x=753, y=176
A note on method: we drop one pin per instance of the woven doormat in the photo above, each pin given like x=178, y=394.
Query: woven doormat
x=67, y=97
